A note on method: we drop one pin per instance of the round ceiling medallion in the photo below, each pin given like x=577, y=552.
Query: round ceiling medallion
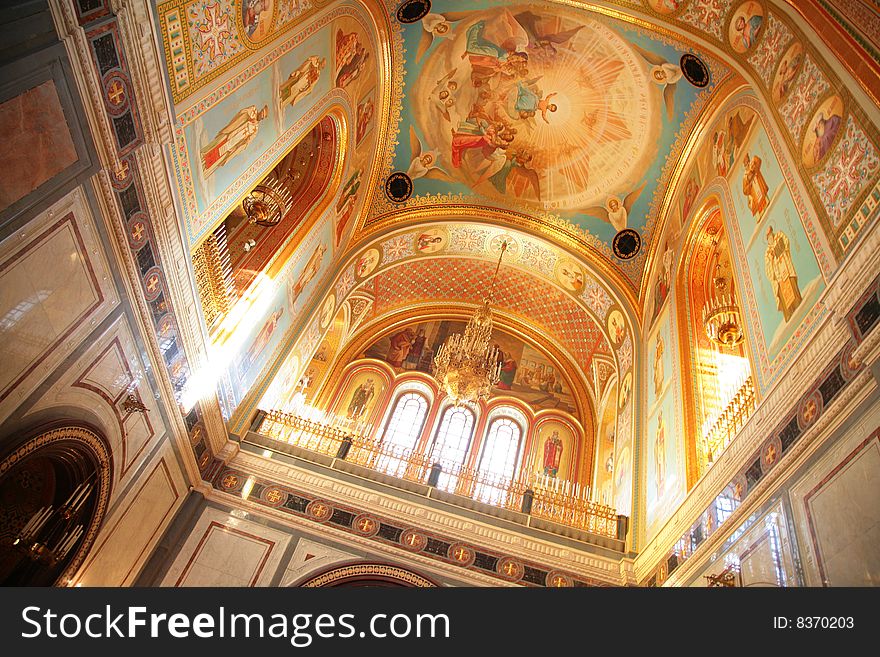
x=398, y=187
x=695, y=70
x=413, y=10
x=627, y=244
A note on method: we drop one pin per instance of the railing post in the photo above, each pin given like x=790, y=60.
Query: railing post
x=344, y=446
x=434, y=477
x=258, y=420
x=622, y=527
x=528, y=498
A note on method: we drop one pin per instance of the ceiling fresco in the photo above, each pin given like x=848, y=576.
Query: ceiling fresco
x=570, y=117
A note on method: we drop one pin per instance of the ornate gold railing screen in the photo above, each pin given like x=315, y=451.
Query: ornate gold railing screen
x=731, y=419
x=552, y=500
x=213, y=274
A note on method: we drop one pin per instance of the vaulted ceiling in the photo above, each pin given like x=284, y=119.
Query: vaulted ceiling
x=566, y=122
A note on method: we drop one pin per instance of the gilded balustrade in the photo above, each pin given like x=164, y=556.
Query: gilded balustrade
x=553, y=500
x=728, y=423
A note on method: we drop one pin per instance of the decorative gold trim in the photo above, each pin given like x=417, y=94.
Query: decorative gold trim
x=362, y=570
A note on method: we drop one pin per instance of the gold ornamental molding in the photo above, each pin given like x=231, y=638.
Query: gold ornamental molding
x=534, y=225
x=353, y=573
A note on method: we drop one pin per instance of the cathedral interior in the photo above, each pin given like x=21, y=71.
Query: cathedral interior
x=440, y=293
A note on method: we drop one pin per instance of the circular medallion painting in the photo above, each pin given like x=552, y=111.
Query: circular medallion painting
x=366, y=263
x=625, y=388
x=746, y=26
x=513, y=99
x=822, y=130
x=431, y=240
x=257, y=17
x=665, y=6
x=327, y=311
x=616, y=327
x=570, y=275
x=786, y=72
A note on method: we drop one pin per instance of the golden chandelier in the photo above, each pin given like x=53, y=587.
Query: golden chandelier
x=467, y=365
x=721, y=316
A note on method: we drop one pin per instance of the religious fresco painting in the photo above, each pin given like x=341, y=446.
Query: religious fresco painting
x=783, y=269
x=664, y=443
x=510, y=99
x=224, y=142
x=525, y=372
x=359, y=398
x=781, y=278
x=660, y=370
x=230, y=139
x=603, y=481
x=622, y=470
x=219, y=34
x=552, y=451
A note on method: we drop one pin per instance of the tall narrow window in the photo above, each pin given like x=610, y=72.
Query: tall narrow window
x=451, y=444
x=498, y=460
x=402, y=432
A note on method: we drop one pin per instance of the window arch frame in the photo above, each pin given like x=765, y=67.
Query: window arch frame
x=448, y=480
x=391, y=461
x=491, y=485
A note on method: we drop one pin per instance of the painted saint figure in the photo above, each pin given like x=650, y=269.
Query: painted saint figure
x=351, y=58
x=260, y=341
x=401, y=343
x=825, y=131
x=359, y=400
x=658, y=367
x=552, y=454
x=747, y=30
x=232, y=139
x=754, y=186
x=659, y=454
x=780, y=270
x=415, y=352
x=308, y=273
x=301, y=81
x=365, y=113
x=508, y=371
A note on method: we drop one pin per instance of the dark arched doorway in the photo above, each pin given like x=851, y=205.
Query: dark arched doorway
x=54, y=490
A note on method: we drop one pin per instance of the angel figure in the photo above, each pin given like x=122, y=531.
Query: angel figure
x=437, y=26
x=424, y=163
x=540, y=41
x=443, y=96
x=664, y=74
x=616, y=211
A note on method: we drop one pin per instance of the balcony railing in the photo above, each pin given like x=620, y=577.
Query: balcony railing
x=728, y=423
x=556, y=501
x=213, y=275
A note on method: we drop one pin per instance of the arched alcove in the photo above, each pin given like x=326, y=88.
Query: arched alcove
x=54, y=490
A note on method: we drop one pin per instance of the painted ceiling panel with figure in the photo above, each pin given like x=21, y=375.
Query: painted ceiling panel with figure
x=569, y=117
x=526, y=373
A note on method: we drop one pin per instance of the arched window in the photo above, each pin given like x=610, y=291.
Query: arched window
x=720, y=386
x=498, y=461
x=451, y=444
x=402, y=431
